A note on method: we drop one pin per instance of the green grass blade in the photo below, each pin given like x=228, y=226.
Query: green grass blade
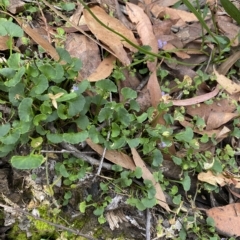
x=231, y=10
x=199, y=17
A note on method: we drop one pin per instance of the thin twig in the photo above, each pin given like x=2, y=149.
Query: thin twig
x=76, y=153
x=45, y=22
x=105, y=149
x=17, y=209
x=148, y=224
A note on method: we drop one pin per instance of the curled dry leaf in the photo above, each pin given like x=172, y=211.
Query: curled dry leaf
x=227, y=219
x=115, y=42
x=33, y=33
x=148, y=175
x=103, y=70
x=195, y=100
x=227, y=84
x=217, y=119
x=144, y=29
x=218, y=179
x=174, y=14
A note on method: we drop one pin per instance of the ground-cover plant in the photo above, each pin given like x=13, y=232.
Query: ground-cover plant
x=42, y=105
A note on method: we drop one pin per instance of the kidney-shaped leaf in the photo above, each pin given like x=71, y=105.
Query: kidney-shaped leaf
x=27, y=162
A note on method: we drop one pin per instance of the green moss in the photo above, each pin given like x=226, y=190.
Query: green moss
x=16, y=233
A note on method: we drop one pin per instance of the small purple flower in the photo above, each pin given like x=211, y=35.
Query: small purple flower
x=161, y=43
x=74, y=87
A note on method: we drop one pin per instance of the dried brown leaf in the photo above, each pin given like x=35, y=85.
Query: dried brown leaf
x=174, y=14
x=115, y=42
x=3, y=42
x=218, y=179
x=144, y=29
x=154, y=89
x=227, y=219
x=179, y=53
x=86, y=50
x=227, y=84
x=103, y=70
x=148, y=175
x=114, y=156
x=195, y=100
x=33, y=33
x=217, y=119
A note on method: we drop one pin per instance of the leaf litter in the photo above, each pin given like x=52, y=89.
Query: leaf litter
x=171, y=32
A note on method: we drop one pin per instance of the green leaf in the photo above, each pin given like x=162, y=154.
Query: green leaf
x=177, y=160
x=115, y=131
x=64, y=55
x=7, y=72
x=123, y=116
x=117, y=144
x=46, y=108
x=133, y=142
x=177, y=199
x=25, y=111
x=55, y=138
x=48, y=71
x=82, y=122
x=104, y=187
x=185, y=136
x=231, y=9
x=76, y=66
x=128, y=93
x=140, y=206
x=16, y=78
x=22, y=127
x=63, y=171
x=149, y=203
x=105, y=113
x=38, y=118
x=14, y=61
x=98, y=211
x=101, y=219
x=27, y=162
x=138, y=172
x=117, y=168
x=67, y=97
x=68, y=195
x=75, y=138
x=186, y=182
x=62, y=111
x=134, y=105
x=106, y=85
x=36, y=142
x=143, y=117
x=40, y=85
x=9, y=28
x=82, y=207
x=68, y=6
x=4, y=129
x=210, y=222
x=76, y=106
x=59, y=77
x=16, y=94
x=157, y=158
x=82, y=86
